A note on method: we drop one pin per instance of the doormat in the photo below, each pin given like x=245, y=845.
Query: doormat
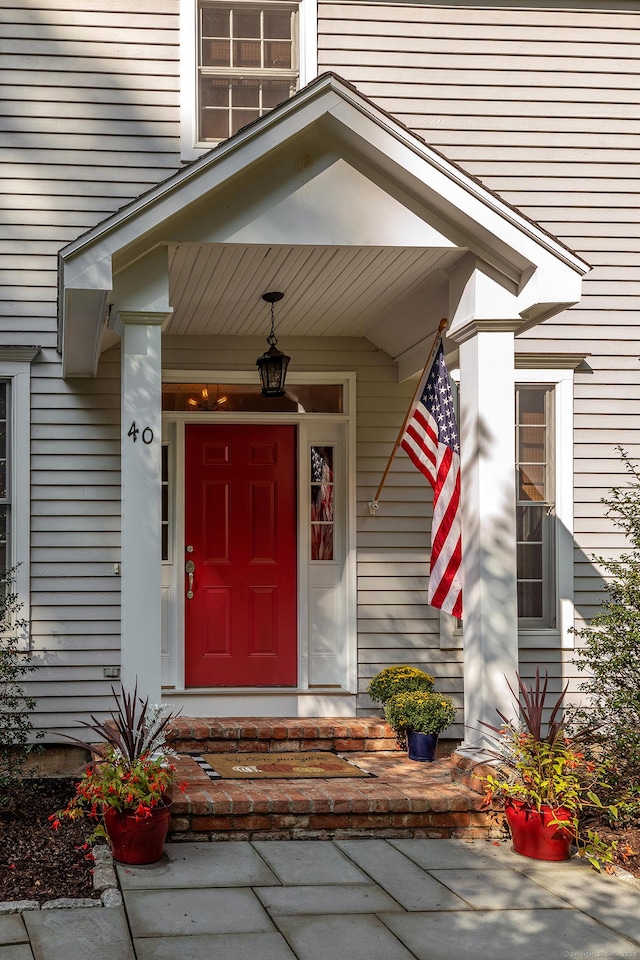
x=277, y=766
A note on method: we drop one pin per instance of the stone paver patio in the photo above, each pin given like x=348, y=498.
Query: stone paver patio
x=406, y=899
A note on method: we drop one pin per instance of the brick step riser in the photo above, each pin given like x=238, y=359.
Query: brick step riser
x=432, y=825
x=262, y=735
x=338, y=745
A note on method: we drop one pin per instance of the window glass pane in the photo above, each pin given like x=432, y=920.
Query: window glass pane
x=240, y=118
x=3, y=479
x=321, y=464
x=321, y=541
x=322, y=502
x=532, y=444
x=165, y=541
x=530, y=599
x=214, y=125
x=531, y=482
x=277, y=26
x=216, y=53
x=532, y=404
x=216, y=22
x=529, y=524
x=247, y=53
x=246, y=25
x=277, y=55
x=245, y=93
x=530, y=561
x=4, y=538
x=210, y=397
x=214, y=93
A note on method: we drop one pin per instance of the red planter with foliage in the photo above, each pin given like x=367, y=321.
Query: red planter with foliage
x=138, y=839
x=534, y=835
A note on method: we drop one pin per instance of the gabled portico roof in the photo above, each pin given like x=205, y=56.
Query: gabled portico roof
x=369, y=232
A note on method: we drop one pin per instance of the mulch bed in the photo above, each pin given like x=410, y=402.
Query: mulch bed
x=627, y=855
x=37, y=862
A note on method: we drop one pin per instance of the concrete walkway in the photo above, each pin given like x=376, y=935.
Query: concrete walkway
x=366, y=899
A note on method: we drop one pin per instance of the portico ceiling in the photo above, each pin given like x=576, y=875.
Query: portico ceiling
x=329, y=291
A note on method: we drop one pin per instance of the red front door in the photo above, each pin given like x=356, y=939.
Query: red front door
x=240, y=521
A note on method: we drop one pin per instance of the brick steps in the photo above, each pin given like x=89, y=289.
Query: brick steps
x=402, y=799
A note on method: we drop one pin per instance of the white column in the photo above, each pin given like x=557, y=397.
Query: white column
x=141, y=447
x=487, y=448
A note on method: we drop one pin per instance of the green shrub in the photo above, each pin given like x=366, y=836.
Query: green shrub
x=16, y=725
x=398, y=679
x=420, y=710
x=610, y=652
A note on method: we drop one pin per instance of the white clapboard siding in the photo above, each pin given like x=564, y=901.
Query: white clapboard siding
x=540, y=102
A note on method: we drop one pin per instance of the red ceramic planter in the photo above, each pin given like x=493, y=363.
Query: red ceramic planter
x=532, y=833
x=138, y=840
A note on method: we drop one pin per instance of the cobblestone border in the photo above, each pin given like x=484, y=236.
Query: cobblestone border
x=104, y=881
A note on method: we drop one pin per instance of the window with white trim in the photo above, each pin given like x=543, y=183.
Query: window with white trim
x=544, y=499
x=232, y=70
x=15, y=439
x=5, y=485
x=535, y=504
x=247, y=62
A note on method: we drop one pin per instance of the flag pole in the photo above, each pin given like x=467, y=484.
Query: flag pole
x=373, y=504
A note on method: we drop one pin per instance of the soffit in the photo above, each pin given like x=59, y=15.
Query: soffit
x=329, y=291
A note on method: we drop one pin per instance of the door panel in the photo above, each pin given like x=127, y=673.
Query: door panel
x=240, y=519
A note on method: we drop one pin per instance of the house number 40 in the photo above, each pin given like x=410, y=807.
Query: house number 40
x=147, y=433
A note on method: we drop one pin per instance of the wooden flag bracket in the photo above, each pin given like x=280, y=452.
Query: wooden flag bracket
x=373, y=504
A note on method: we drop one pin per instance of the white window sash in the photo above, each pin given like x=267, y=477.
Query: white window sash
x=307, y=46
x=15, y=369
x=562, y=432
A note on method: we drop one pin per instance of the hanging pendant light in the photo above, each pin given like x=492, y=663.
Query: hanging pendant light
x=273, y=364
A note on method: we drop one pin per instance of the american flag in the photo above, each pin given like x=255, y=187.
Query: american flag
x=431, y=440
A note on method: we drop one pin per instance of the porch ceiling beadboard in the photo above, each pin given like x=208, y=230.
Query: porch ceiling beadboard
x=331, y=198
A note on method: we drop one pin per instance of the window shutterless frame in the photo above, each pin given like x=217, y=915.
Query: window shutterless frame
x=555, y=373
x=535, y=504
x=247, y=62
x=305, y=53
x=15, y=375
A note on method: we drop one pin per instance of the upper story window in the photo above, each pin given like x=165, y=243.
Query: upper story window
x=238, y=60
x=247, y=63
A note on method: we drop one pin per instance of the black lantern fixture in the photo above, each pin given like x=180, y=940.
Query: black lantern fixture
x=273, y=364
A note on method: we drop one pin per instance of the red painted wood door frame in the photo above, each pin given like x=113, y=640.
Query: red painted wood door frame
x=240, y=520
